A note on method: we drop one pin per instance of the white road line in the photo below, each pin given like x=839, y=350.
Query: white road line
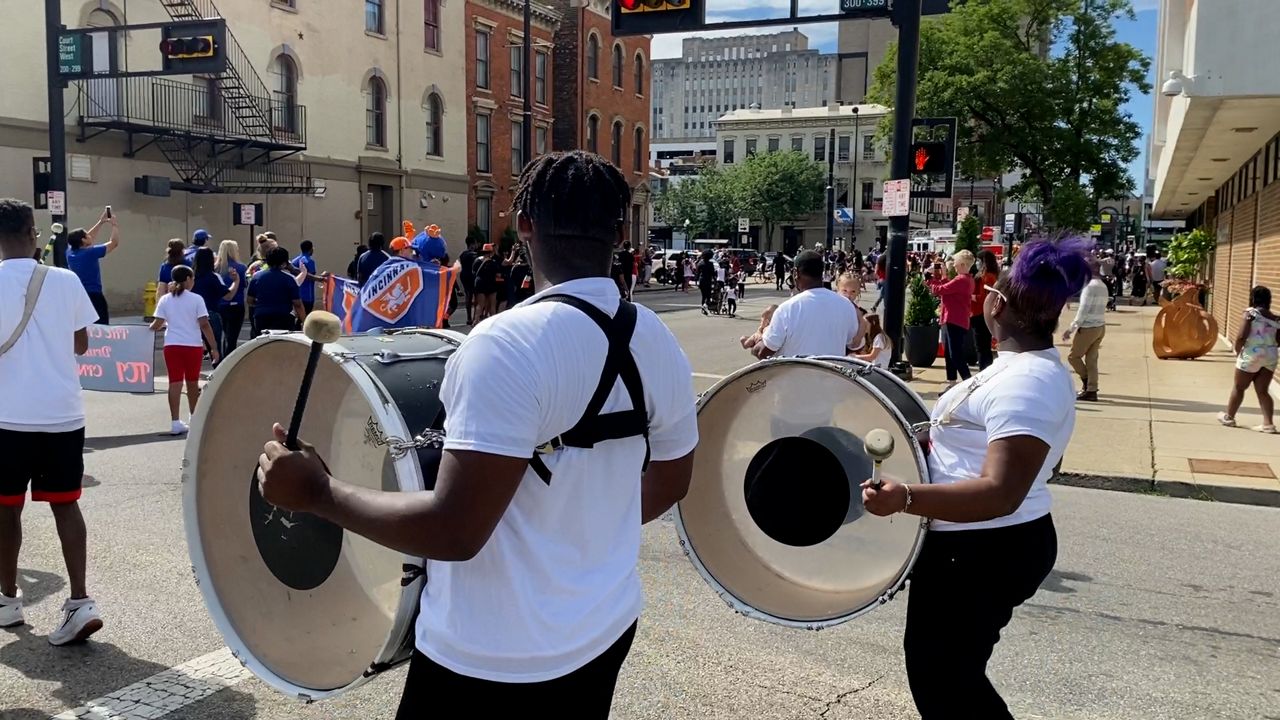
x=165, y=691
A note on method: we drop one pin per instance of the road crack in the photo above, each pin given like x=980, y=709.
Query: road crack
x=831, y=704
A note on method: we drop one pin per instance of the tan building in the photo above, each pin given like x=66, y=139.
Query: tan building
x=342, y=120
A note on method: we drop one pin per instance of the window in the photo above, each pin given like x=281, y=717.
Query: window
x=773, y=144
x=435, y=125
x=540, y=139
x=637, y=151
x=615, y=144
x=373, y=17
x=431, y=22
x=286, y=94
x=517, y=71
x=593, y=57
x=617, y=66
x=797, y=143
x=639, y=74
x=868, y=147
x=482, y=59
x=820, y=148
x=375, y=117
x=482, y=143
x=867, y=189
x=211, y=105
x=517, y=147
x=842, y=145
x=540, y=78
x=484, y=210
x=728, y=151
x=593, y=133
x=751, y=147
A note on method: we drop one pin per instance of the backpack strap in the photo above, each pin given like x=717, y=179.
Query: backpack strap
x=34, y=286
x=595, y=426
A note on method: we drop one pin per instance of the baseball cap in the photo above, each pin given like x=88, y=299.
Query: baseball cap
x=200, y=237
x=400, y=243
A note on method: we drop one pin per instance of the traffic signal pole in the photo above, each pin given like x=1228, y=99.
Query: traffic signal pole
x=57, y=125
x=908, y=22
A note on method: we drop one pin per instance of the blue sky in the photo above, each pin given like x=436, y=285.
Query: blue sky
x=1140, y=33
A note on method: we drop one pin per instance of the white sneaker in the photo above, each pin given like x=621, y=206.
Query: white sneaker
x=80, y=619
x=11, y=610
x=177, y=427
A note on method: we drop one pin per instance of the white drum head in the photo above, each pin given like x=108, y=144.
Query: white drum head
x=306, y=606
x=773, y=519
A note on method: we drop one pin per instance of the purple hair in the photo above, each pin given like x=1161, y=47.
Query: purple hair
x=1046, y=273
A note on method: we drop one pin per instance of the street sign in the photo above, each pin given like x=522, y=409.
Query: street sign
x=897, y=198
x=41, y=176
x=75, y=55
x=57, y=202
x=250, y=214
x=862, y=6
x=744, y=225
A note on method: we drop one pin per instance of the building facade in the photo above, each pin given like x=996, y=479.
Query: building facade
x=495, y=117
x=601, y=100
x=860, y=170
x=340, y=120
x=861, y=45
x=1214, y=157
x=714, y=76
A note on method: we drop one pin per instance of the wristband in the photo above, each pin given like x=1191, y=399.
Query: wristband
x=908, y=505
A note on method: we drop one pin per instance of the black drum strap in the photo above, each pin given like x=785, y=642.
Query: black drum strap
x=596, y=426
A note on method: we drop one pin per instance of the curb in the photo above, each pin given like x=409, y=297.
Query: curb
x=1171, y=488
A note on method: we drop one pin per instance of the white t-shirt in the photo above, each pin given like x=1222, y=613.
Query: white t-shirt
x=39, y=376
x=814, y=322
x=181, y=314
x=882, y=343
x=557, y=583
x=1027, y=393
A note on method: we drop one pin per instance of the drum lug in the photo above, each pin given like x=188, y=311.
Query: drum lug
x=305, y=698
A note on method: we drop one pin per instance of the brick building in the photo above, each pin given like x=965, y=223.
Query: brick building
x=495, y=107
x=602, y=95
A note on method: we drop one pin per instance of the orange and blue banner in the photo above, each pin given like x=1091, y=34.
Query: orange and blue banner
x=401, y=293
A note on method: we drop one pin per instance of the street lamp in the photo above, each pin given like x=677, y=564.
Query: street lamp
x=853, y=180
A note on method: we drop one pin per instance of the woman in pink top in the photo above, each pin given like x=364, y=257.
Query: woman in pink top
x=955, y=294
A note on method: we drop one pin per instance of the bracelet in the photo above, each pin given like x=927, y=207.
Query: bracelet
x=908, y=505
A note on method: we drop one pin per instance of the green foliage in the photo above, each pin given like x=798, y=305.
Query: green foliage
x=708, y=202
x=778, y=186
x=922, y=306
x=508, y=240
x=476, y=236
x=1188, y=253
x=969, y=235
x=1039, y=87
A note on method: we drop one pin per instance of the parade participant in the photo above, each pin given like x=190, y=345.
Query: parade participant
x=44, y=318
x=1256, y=358
x=184, y=316
x=83, y=259
x=372, y=258
x=274, y=300
x=955, y=294
x=173, y=257
x=306, y=266
x=534, y=595
x=232, y=310
x=814, y=321
x=994, y=441
x=1088, y=327
x=211, y=286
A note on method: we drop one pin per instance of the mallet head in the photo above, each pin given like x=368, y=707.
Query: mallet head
x=322, y=327
x=878, y=444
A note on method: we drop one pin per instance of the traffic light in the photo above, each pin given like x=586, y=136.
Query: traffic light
x=186, y=48
x=654, y=17
x=636, y=6
x=929, y=158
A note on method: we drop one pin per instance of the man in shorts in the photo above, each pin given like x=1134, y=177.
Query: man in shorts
x=44, y=316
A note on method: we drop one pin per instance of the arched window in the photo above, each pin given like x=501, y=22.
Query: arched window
x=375, y=117
x=593, y=56
x=615, y=147
x=285, y=108
x=637, y=152
x=639, y=74
x=435, y=125
x=593, y=133
x=617, y=66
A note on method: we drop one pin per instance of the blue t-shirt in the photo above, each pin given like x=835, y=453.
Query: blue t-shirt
x=189, y=255
x=84, y=263
x=307, y=292
x=273, y=292
x=166, y=272
x=243, y=272
x=371, y=260
x=209, y=286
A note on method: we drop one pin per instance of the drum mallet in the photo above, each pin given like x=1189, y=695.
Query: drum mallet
x=878, y=445
x=320, y=328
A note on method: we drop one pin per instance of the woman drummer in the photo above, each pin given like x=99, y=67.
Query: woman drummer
x=994, y=441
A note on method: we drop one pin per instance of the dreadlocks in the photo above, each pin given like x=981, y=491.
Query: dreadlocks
x=577, y=203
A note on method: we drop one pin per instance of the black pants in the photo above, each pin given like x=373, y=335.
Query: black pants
x=982, y=336
x=263, y=322
x=954, y=338
x=584, y=694
x=705, y=289
x=100, y=304
x=232, y=324
x=964, y=587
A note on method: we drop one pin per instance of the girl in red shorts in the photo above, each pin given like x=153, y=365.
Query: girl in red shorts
x=185, y=319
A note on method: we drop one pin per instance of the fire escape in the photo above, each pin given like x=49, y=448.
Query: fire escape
x=224, y=133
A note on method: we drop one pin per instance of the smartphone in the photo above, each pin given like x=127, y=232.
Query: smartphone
x=108, y=212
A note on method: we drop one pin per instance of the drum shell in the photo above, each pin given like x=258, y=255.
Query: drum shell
x=324, y=641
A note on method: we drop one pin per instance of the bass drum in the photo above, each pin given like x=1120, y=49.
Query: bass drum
x=773, y=519
x=310, y=609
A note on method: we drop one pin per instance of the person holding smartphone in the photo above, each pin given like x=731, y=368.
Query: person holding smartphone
x=83, y=258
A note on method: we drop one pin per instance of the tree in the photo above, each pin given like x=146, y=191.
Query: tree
x=778, y=186
x=969, y=235
x=707, y=202
x=1039, y=87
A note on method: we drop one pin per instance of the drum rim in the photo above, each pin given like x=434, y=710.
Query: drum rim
x=733, y=601
x=388, y=414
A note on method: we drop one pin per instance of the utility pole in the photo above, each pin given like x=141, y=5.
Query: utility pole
x=831, y=190
x=853, y=181
x=57, y=125
x=527, y=140
x=908, y=22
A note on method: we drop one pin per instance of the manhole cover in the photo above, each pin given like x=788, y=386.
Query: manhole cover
x=1231, y=467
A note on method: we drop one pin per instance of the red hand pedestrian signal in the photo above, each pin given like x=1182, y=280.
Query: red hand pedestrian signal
x=921, y=159
x=928, y=157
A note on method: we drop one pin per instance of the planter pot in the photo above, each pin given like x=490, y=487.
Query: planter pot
x=921, y=345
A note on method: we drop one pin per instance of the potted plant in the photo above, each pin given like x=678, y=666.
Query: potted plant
x=921, y=331
x=1188, y=258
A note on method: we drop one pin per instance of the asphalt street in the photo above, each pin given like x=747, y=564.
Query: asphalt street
x=1158, y=608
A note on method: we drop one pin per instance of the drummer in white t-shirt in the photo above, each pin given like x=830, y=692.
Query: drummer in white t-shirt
x=994, y=442
x=815, y=321
x=533, y=595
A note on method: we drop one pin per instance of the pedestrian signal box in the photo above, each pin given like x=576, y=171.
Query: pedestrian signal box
x=654, y=17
